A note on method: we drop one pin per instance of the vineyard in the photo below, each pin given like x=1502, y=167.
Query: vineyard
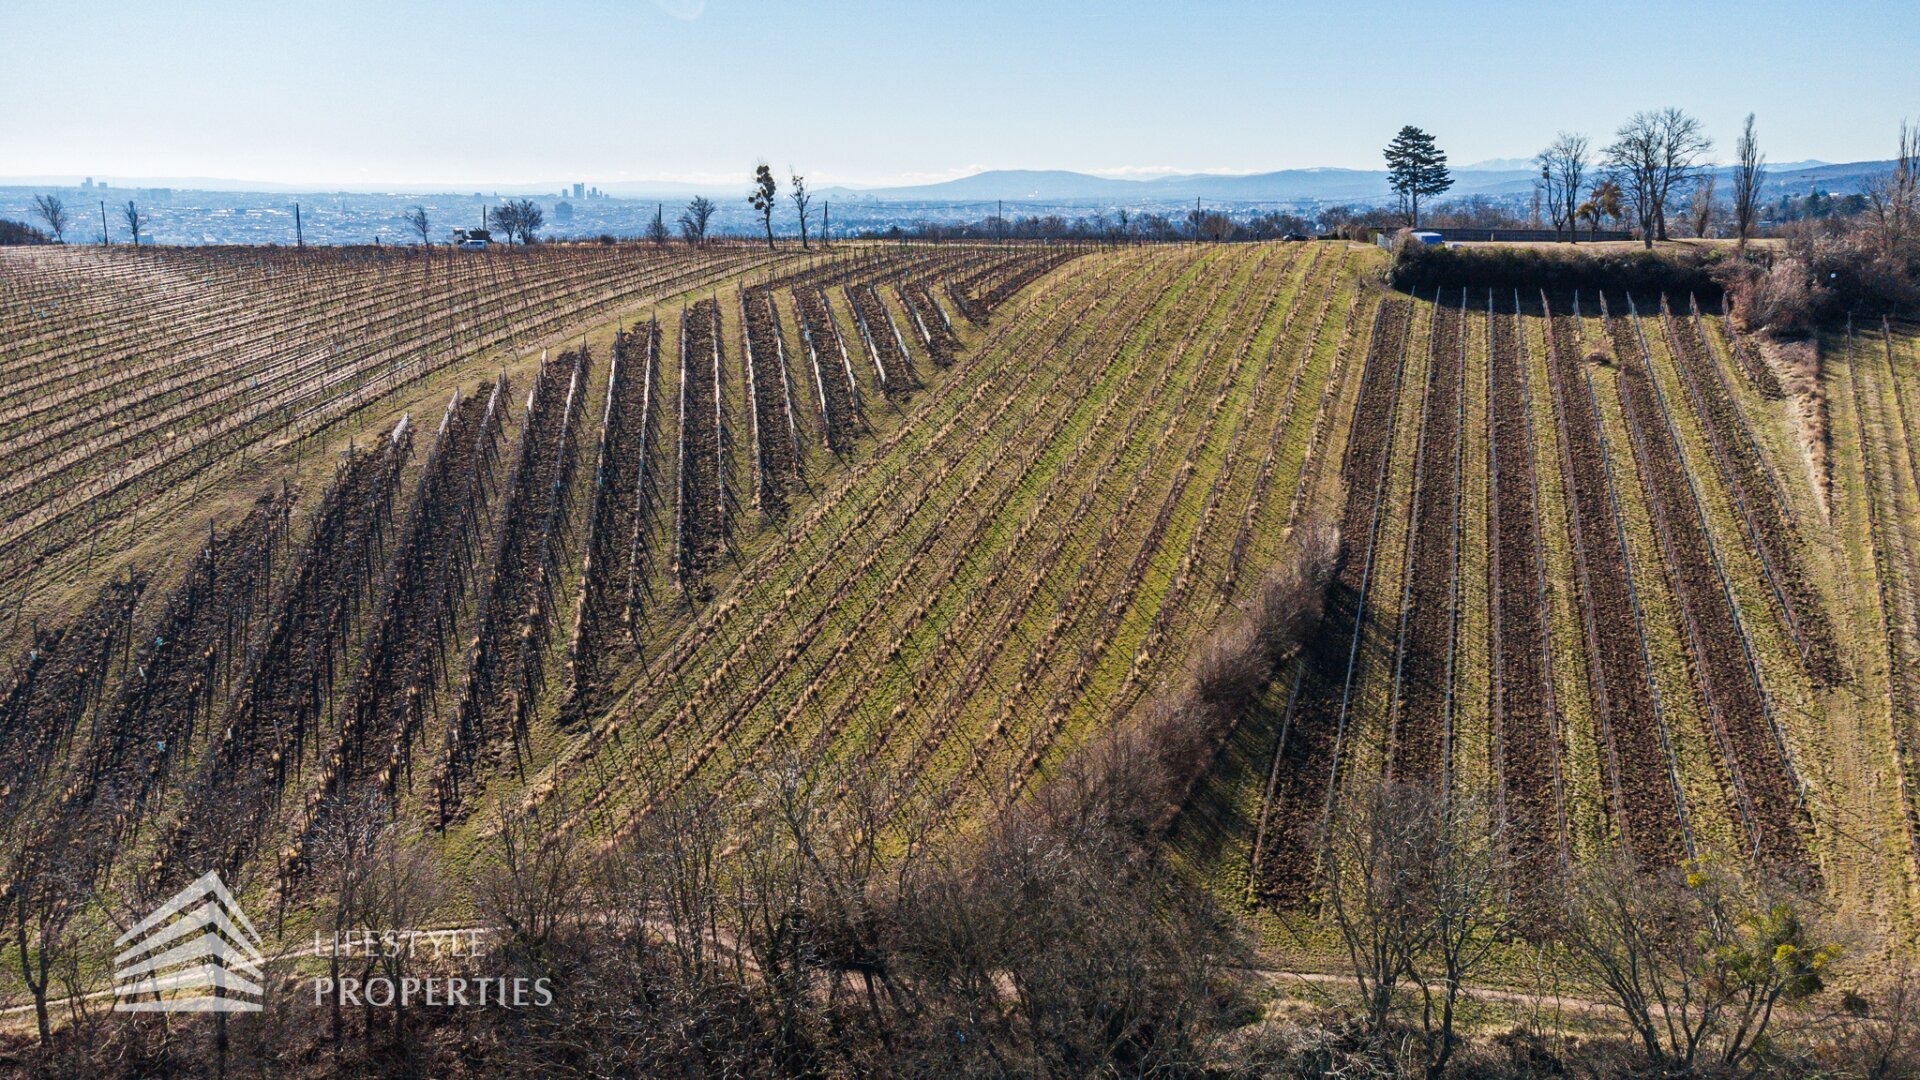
x=579, y=530
x=1590, y=575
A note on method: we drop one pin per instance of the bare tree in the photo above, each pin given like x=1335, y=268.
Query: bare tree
x=417, y=219
x=344, y=856
x=533, y=886
x=1374, y=894
x=1563, y=168
x=50, y=887
x=693, y=220
x=664, y=885
x=401, y=891
x=1413, y=884
x=656, y=930
x=762, y=196
x=1694, y=959
x=517, y=219
x=134, y=220
x=505, y=220
x=797, y=191
x=765, y=899
x=529, y=217
x=1654, y=155
x=284, y=1021
x=1701, y=205
x=1749, y=172
x=51, y=210
x=1468, y=868
x=657, y=228
x=1061, y=962
x=1893, y=198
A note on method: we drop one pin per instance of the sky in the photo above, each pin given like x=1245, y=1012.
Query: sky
x=346, y=92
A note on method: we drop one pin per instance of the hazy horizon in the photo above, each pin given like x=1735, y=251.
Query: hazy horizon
x=869, y=95
x=251, y=185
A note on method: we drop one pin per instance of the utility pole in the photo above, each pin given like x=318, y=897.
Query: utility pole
x=826, y=223
x=1196, y=219
x=1000, y=219
x=299, y=238
x=105, y=240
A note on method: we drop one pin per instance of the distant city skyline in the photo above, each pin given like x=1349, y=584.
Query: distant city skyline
x=491, y=94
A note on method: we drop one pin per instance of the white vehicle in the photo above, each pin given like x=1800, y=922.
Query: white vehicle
x=473, y=244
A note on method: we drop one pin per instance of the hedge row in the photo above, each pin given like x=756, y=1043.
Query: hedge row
x=1556, y=269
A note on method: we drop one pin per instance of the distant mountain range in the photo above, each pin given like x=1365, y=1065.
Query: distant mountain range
x=1060, y=186
x=1501, y=177
x=1295, y=185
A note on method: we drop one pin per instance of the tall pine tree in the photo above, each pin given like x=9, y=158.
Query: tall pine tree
x=1416, y=168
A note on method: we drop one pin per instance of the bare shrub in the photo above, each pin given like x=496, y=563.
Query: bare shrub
x=1696, y=961
x=402, y=890
x=532, y=885
x=1231, y=667
x=1183, y=729
x=1064, y=946
x=1234, y=663
x=1780, y=298
x=1307, y=1048
x=1292, y=599
x=1871, y=1036
x=1830, y=269
x=646, y=979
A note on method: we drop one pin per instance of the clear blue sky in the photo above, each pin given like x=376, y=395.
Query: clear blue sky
x=349, y=92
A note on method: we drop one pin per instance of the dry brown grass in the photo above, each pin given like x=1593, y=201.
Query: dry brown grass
x=1797, y=363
